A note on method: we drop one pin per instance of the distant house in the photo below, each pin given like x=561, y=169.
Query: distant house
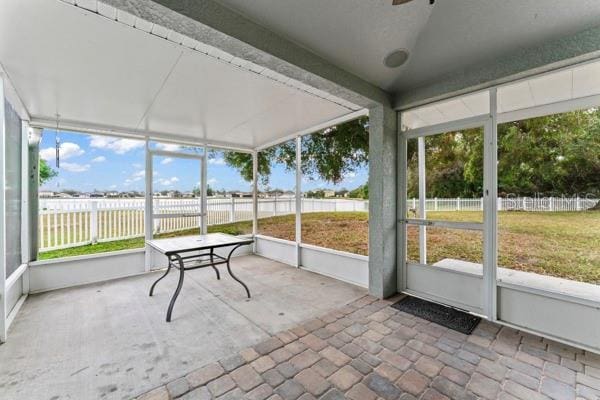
x=241, y=194
x=328, y=193
x=46, y=194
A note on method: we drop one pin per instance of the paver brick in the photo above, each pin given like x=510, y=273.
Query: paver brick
x=345, y=378
x=204, y=375
x=273, y=377
x=423, y=348
x=456, y=363
x=160, y=393
x=249, y=354
x=382, y=386
x=525, y=380
x=233, y=362
x=287, y=337
x=289, y=390
x=333, y=394
x=200, y=393
x=281, y=355
x=261, y=392
x=392, y=343
x=269, y=345
x=313, y=382
x=451, y=389
x=323, y=333
x=413, y=382
x=454, y=375
x=560, y=373
x=360, y=392
x=361, y=366
x=287, y=369
x=394, y=359
x=178, y=387
x=221, y=385
x=388, y=372
x=428, y=366
x=372, y=335
x=484, y=386
x=335, y=356
x=295, y=347
x=351, y=350
x=305, y=359
x=313, y=342
x=263, y=364
x=324, y=367
x=246, y=378
x=521, y=392
x=557, y=390
x=492, y=369
x=432, y=394
x=313, y=324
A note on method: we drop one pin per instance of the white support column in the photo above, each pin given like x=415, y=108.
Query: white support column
x=298, y=200
x=3, y=313
x=490, y=215
x=402, y=207
x=422, y=199
x=25, y=219
x=204, y=200
x=254, y=197
x=148, y=208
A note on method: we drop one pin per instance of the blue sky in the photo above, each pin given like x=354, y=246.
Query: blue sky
x=91, y=162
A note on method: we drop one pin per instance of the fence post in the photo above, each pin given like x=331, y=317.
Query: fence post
x=481, y=203
x=499, y=204
x=275, y=206
x=458, y=203
x=94, y=222
x=551, y=203
x=578, y=203
x=435, y=204
x=232, y=210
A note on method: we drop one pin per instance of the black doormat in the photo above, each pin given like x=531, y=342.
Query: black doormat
x=446, y=316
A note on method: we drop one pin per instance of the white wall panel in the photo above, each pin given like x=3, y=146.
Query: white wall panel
x=346, y=267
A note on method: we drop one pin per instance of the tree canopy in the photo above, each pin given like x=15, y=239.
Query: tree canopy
x=328, y=154
x=46, y=173
x=551, y=155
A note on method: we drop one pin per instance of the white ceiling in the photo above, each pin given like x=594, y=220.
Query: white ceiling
x=451, y=35
x=578, y=82
x=97, y=71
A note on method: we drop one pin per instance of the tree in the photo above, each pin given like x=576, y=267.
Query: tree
x=361, y=192
x=328, y=154
x=551, y=155
x=46, y=173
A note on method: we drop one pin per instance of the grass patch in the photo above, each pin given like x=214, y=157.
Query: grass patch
x=562, y=244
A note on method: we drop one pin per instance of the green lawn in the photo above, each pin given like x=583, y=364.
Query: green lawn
x=559, y=244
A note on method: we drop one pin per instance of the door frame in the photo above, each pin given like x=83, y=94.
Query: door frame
x=489, y=225
x=149, y=213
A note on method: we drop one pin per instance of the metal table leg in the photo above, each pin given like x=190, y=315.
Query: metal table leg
x=161, y=278
x=179, y=285
x=231, y=273
x=212, y=261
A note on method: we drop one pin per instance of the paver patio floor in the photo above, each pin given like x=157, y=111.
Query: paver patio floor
x=367, y=350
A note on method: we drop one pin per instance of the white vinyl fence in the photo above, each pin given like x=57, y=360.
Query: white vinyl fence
x=74, y=222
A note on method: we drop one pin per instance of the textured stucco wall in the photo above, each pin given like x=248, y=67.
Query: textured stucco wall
x=383, y=139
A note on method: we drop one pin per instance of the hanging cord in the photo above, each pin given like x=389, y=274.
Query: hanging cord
x=57, y=143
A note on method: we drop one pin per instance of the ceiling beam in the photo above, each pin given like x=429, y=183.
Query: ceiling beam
x=554, y=54
x=213, y=24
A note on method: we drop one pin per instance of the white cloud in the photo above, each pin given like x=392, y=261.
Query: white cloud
x=99, y=159
x=137, y=165
x=67, y=150
x=119, y=146
x=167, y=181
x=74, y=167
x=168, y=146
x=112, y=186
x=166, y=161
x=216, y=161
x=212, y=181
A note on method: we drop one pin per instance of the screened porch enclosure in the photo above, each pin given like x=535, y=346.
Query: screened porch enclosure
x=129, y=121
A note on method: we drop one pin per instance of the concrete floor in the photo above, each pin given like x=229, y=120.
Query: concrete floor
x=111, y=341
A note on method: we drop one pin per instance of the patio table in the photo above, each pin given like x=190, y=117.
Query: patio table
x=193, y=252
